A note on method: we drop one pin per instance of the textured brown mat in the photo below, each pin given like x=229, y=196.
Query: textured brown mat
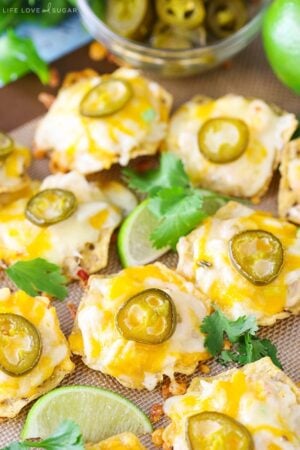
x=248, y=76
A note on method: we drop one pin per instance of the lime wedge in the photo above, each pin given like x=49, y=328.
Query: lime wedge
x=98, y=412
x=134, y=245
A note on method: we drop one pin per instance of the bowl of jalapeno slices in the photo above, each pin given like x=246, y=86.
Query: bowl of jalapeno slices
x=173, y=37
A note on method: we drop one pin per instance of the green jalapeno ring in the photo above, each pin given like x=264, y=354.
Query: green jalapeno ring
x=132, y=19
x=137, y=319
x=225, y=17
x=50, y=206
x=259, y=266
x=227, y=423
x=178, y=13
x=14, y=325
x=105, y=99
x=222, y=140
x=6, y=145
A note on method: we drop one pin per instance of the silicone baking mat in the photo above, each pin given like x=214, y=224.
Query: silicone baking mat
x=250, y=77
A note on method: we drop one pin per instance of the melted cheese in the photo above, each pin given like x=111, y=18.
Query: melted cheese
x=13, y=168
x=123, y=441
x=250, y=174
x=92, y=144
x=255, y=395
x=136, y=365
x=55, y=351
x=20, y=239
x=233, y=293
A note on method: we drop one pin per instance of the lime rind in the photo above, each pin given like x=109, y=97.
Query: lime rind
x=111, y=413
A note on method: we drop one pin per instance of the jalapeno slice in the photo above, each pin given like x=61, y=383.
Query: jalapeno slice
x=257, y=255
x=208, y=430
x=20, y=345
x=149, y=317
x=165, y=36
x=223, y=140
x=181, y=13
x=225, y=17
x=6, y=145
x=132, y=19
x=106, y=98
x=50, y=206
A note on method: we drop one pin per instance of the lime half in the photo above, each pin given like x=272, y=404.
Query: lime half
x=98, y=412
x=134, y=245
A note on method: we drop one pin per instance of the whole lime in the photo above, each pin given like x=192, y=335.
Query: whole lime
x=281, y=37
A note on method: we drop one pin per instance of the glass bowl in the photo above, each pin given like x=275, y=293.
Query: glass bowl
x=172, y=63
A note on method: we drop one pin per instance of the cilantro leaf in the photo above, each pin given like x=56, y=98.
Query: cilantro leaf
x=19, y=56
x=217, y=325
x=169, y=174
x=38, y=275
x=66, y=437
x=250, y=349
x=246, y=347
x=178, y=205
x=180, y=212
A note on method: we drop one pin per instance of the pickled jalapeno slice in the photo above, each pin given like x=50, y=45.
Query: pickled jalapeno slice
x=106, y=98
x=165, y=36
x=213, y=430
x=257, y=255
x=181, y=13
x=6, y=145
x=148, y=317
x=20, y=345
x=50, y=206
x=223, y=139
x=225, y=17
x=132, y=19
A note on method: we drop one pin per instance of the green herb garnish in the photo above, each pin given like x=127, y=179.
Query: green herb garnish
x=66, y=437
x=179, y=206
x=246, y=348
x=37, y=276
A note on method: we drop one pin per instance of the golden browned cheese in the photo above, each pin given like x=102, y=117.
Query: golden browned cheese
x=219, y=279
x=259, y=396
x=289, y=189
x=123, y=441
x=54, y=363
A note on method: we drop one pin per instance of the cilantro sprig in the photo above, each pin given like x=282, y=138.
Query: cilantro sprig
x=38, y=275
x=241, y=333
x=66, y=437
x=178, y=206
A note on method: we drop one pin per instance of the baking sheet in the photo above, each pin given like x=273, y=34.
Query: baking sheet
x=247, y=80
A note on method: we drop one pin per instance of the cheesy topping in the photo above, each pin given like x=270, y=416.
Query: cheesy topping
x=20, y=239
x=259, y=396
x=251, y=173
x=92, y=144
x=223, y=284
x=96, y=338
x=289, y=189
x=123, y=441
x=13, y=167
x=55, y=352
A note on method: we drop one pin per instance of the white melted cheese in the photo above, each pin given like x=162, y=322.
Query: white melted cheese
x=92, y=144
x=138, y=365
x=222, y=282
x=249, y=174
x=21, y=239
x=55, y=350
x=258, y=396
x=13, y=167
